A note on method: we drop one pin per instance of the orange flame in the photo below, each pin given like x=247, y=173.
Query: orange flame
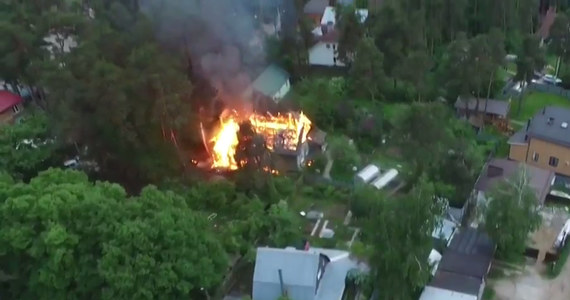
x=281, y=131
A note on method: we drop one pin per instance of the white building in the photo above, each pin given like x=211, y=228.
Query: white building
x=324, y=52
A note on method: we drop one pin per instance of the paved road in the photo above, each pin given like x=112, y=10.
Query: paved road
x=533, y=286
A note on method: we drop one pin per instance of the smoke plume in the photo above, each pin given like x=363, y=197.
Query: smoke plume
x=222, y=37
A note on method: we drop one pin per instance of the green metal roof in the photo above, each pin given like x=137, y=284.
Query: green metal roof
x=271, y=80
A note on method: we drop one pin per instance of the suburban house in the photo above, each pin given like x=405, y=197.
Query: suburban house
x=311, y=274
x=10, y=106
x=496, y=170
x=484, y=111
x=324, y=51
x=314, y=10
x=463, y=269
x=544, y=141
x=272, y=83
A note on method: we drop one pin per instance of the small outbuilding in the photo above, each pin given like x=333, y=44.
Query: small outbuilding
x=272, y=83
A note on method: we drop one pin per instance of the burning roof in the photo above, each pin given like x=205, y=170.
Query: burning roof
x=282, y=133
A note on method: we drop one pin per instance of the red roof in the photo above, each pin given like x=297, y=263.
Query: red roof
x=8, y=99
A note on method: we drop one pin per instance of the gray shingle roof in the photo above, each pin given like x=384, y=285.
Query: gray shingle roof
x=456, y=282
x=540, y=126
x=299, y=270
x=496, y=107
x=469, y=253
x=315, y=6
x=270, y=80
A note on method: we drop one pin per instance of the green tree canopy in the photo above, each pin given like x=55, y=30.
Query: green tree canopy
x=531, y=58
x=400, y=234
x=366, y=73
x=511, y=213
x=27, y=146
x=120, y=95
x=439, y=145
x=64, y=237
x=350, y=31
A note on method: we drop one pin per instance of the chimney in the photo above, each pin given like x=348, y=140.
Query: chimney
x=544, y=110
x=494, y=171
x=281, y=282
x=550, y=120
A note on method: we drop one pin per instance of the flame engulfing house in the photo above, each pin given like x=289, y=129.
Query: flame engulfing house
x=284, y=137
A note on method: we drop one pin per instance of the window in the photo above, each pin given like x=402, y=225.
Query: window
x=553, y=161
x=535, y=156
x=16, y=109
x=334, y=47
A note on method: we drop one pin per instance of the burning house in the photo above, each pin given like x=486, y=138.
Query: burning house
x=285, y=138
x=225, y=50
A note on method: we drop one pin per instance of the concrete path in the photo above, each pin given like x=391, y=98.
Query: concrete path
x=531, y=285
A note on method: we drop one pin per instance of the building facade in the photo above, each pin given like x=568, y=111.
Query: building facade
x=545, y=141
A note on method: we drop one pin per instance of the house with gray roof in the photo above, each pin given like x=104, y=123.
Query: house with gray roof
x=272, y=83
x=462, y=271
x=483, y=111
x=545, y=141
x=312, y=274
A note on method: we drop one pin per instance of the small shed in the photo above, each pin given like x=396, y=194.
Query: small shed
x=273, y=83
x=385, y=179
x=366, y=175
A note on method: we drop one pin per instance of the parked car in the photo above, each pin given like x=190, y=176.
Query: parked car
x=550, y=79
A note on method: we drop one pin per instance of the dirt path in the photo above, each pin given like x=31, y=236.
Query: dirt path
x=533, y=286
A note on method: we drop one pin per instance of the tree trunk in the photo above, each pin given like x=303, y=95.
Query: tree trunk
x=557, y=67
x=521, y=96
x=491, y=79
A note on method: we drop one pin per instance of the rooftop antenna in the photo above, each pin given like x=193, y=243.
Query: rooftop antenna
x=281, y=282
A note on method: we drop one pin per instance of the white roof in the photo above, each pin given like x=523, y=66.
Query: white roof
x=444, y=230
x=368, y=173
x=385, y=179
x=433, y=260
x=330, y=15
x=433, y=293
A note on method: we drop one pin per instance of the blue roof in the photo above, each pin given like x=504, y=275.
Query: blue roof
x=271, y=80
x=298, y=268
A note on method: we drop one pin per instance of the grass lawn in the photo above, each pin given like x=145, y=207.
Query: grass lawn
x=533, y=103
x=488, y=293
